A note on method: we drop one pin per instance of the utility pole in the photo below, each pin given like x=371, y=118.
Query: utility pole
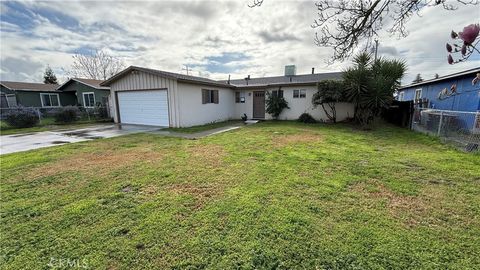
x=186, y=68
x=376, y=48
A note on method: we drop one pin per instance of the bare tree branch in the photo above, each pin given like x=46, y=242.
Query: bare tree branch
x=344, y=24
x=97, y=65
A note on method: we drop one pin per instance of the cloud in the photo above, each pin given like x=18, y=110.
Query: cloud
x=215, y=38
x=23, y=69
x=277, y=37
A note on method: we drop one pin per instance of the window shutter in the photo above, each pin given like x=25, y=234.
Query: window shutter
x=204, y=96
x=215, y=96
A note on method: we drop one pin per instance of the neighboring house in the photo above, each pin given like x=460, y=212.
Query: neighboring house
x=458, y=93
x=454, y=92
x=13, y=94
x=153, y=97
x=88, y=92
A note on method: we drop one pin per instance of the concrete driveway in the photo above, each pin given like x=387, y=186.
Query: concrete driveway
x=28, y=141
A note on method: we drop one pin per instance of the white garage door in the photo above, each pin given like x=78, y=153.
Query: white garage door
x=143, y=107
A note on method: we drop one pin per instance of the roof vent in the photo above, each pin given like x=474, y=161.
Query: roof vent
x=290, y=70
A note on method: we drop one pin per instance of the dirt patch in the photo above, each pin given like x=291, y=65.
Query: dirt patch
x=411, y=209
x=201, y=192
x=95, y=163
x=211, y=154
x=306, y=137
x=148, y=190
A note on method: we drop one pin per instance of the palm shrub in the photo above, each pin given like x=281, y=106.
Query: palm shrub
x=275, y=104
x=370, y=85
x=329, y=93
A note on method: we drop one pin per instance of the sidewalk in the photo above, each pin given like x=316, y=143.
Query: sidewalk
x=198, y=135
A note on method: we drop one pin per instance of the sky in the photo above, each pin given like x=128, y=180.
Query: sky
x=214, y=39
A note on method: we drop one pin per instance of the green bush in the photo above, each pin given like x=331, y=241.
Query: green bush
x=276, y=103
x=306, y=118
x=67, y=114
x=22, y=117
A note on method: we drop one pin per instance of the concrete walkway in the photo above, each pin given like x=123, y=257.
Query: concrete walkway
x=28, y=141
x=197, y=135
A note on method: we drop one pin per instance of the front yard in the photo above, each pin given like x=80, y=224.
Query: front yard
x=271, y=195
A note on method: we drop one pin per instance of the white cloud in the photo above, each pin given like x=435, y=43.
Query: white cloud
x=170, y=34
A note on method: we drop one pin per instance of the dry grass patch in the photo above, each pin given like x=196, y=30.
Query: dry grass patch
x=99, y=163
x=288, y=139
x=210, y=154
x=412, y=210
x=201, y=192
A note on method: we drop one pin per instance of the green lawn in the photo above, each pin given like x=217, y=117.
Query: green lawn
x=45, y=124
x=272, y=195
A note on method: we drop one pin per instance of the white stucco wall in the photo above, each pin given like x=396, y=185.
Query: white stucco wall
x=191, y=110
x=297, y=105
x=241, y=108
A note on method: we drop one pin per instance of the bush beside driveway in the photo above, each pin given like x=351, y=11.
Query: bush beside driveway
x=271, y=195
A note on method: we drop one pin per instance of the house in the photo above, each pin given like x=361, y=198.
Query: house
x=455, y=92
x=13, y=94
x=160, y=98
x=88, y=92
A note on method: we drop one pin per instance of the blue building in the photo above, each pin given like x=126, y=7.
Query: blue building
x=455, y=92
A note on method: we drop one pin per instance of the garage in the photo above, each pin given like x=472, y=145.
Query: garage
x=143, y=107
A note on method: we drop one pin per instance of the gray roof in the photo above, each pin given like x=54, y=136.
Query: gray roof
x=24, y=86
x=287, y=80
x=453, y=75
x=253, y=82
x=90, y=82
x=178, y=76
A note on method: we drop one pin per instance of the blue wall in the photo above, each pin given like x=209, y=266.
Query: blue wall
x=467, y=97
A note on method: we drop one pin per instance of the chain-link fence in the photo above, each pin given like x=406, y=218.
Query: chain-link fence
x=459, y=128
x=99, y=113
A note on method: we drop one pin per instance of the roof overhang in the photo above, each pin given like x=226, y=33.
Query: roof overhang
x=446, y=77
x=79, y=81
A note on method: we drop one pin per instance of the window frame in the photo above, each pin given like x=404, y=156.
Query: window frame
x=50, y=99
x=84, y=103
x=239, y=97
x=418, y=90
x=299, y=93
x=401, y=96
x=213, y=96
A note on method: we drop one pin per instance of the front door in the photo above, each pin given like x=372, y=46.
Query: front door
x=259, y=104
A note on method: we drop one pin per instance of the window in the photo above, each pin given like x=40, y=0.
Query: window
x=239, y=97
x=418, y=94
x=400, y=96
x=50, y=100
x=302, y=93
x=209, y=96
x=88, y=100
x=277, y=92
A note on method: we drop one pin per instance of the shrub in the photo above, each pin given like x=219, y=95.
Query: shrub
x=22, y=117
x=67, y=114
x=100, y=112
x=306, y=118
x=276, y=103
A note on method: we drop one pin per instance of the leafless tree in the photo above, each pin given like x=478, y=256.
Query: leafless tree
x=99, y=65
x=344, y=24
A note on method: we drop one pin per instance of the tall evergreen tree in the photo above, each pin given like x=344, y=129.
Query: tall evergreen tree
x=49, y=77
